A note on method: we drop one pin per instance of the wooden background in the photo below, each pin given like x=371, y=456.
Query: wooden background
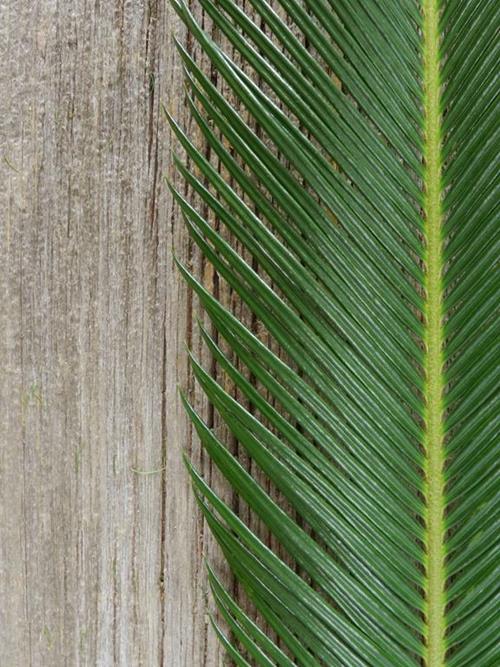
x=101, y=545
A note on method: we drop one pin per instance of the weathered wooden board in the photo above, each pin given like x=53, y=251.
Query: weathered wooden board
x=101, y=546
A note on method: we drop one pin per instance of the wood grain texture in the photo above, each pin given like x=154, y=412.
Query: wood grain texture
x=101, y=546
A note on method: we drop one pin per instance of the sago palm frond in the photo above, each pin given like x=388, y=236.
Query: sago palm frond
x=370, y=210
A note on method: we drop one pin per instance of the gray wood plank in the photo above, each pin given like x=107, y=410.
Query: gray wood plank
x=101, y=546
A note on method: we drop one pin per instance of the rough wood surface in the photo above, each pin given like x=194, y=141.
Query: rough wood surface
x=101, y=546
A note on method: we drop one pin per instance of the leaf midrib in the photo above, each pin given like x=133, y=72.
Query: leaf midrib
x=435, y=581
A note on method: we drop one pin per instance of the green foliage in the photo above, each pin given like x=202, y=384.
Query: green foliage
x=370, y=210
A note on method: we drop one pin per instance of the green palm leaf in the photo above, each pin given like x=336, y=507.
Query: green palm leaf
x=370, y=210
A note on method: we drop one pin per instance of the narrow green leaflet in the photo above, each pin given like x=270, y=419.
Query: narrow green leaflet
x=366, y=200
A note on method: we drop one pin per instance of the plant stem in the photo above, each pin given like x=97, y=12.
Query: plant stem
x=434, y=383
